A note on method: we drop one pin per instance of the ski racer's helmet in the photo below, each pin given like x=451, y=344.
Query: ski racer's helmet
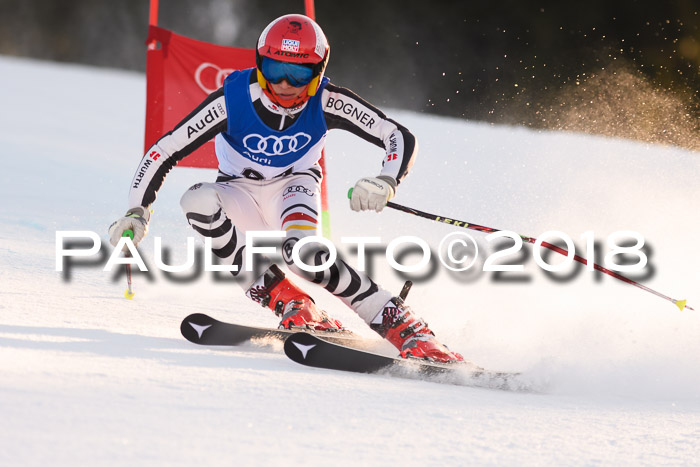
x=292, y=48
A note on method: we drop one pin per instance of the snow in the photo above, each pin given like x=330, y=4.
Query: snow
x=89, y=378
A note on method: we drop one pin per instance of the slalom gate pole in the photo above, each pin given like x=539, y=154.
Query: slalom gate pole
x=681, y=304
x=129, y=292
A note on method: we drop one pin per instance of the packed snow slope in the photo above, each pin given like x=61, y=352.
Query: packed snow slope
x=89, y=378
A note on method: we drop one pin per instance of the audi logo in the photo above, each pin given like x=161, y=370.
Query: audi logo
x=213, y=74
x=276, y=145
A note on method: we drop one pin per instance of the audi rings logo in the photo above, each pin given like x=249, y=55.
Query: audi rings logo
x=210, y=77
x=276, y=145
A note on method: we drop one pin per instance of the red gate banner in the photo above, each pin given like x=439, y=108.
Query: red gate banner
x=180, y=73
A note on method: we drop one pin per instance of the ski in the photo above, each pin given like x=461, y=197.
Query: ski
x=309, y=350
x=204, y=330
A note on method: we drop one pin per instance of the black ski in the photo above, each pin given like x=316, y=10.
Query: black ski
x=308, y=350
x=205, y=330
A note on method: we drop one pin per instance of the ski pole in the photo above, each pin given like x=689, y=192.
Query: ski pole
x=129, y=292
x=681, y=304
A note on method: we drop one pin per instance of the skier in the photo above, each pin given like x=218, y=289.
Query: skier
x=270, y=125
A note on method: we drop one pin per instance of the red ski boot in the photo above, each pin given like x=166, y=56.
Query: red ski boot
x=410, y=334
x=274, y=291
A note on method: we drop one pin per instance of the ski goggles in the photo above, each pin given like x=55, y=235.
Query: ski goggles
x=296, y=75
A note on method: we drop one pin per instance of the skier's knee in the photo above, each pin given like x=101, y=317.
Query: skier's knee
x=311, y=254
x=201, y=198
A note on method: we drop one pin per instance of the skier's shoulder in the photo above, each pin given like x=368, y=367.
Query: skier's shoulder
x=334, y=91
x=342, y=103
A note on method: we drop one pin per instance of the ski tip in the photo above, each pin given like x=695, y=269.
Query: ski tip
x=298, y=345
x=129, y=294
x=681, y=304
